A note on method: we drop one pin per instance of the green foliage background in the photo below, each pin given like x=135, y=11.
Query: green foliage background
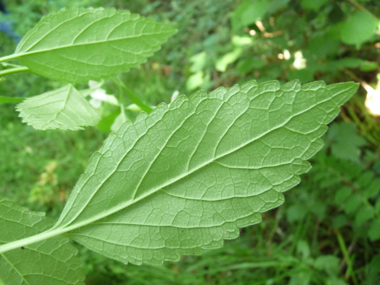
x=328, y=231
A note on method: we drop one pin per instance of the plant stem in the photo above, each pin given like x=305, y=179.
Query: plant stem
x=29, y=240
x=13, y=70
x=121, y=99
x=275, y=226
x=297, y=236
x=133, y=97
x=350, y=271
x=360, y=7
x=9, y=57
x=4, y=99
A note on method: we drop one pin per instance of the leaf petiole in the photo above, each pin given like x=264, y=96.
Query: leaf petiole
x=132, y=96
x=29, y=240
x=13, y=70
x=9, y=57
x=4, y=99
x=350, y=271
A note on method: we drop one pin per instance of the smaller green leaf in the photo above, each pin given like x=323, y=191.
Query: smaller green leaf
x=296, y=212
x=303, y=249
x=345, y=142
x=198, y=61
x=50, y=262
x=358, y=28
x=377, y=205
x=228, y=58
x=342, y=194
x=365, y=213
x=349, y=62
x=365, y=179
x=374, y=230
x=196, y=80
x=300, y=277
x=64, y=109
x=352, y=204
x=314, y=5
x=328, y=263
x=4, y=99
x=248, y=12
x=330, y=181
x=373, y=270
x=249, y=64
x=119, y=121
x=323, y=45
x=106, y=122
x=76, y=45
x=340, y=221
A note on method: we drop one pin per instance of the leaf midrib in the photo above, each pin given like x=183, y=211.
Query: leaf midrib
x=122, y=206
x=28, y=53
x=50, y=31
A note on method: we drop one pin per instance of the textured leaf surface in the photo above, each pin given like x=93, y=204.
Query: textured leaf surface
x=51, y=261
x=64, y=109
x=187, y=176
x=77, y=45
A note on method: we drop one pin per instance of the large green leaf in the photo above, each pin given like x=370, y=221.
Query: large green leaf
x=77, y=45
x=189, y=175
x=64, y=109
x=48, y=262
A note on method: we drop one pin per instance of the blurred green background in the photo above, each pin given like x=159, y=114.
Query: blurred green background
x=328, y=230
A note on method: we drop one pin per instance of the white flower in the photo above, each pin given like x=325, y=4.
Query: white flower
x=99, y=95
x=372, y=101
x=94, y=84
x=174, y=96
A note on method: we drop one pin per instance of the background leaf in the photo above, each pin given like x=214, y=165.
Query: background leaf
x=187, y=176
x=51, y=261
x=64, y=109
x=358, y=28
x=4, y=99
x=345, y=141
x=313, y=4
x=93, y=43
x=248, y=12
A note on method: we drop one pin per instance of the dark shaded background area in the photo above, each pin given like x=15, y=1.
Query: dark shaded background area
x=328, y=230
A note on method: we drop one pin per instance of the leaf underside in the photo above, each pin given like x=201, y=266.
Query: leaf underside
x=64, y=109
x=189, y=175
x=51, y=261
x=76, y=45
